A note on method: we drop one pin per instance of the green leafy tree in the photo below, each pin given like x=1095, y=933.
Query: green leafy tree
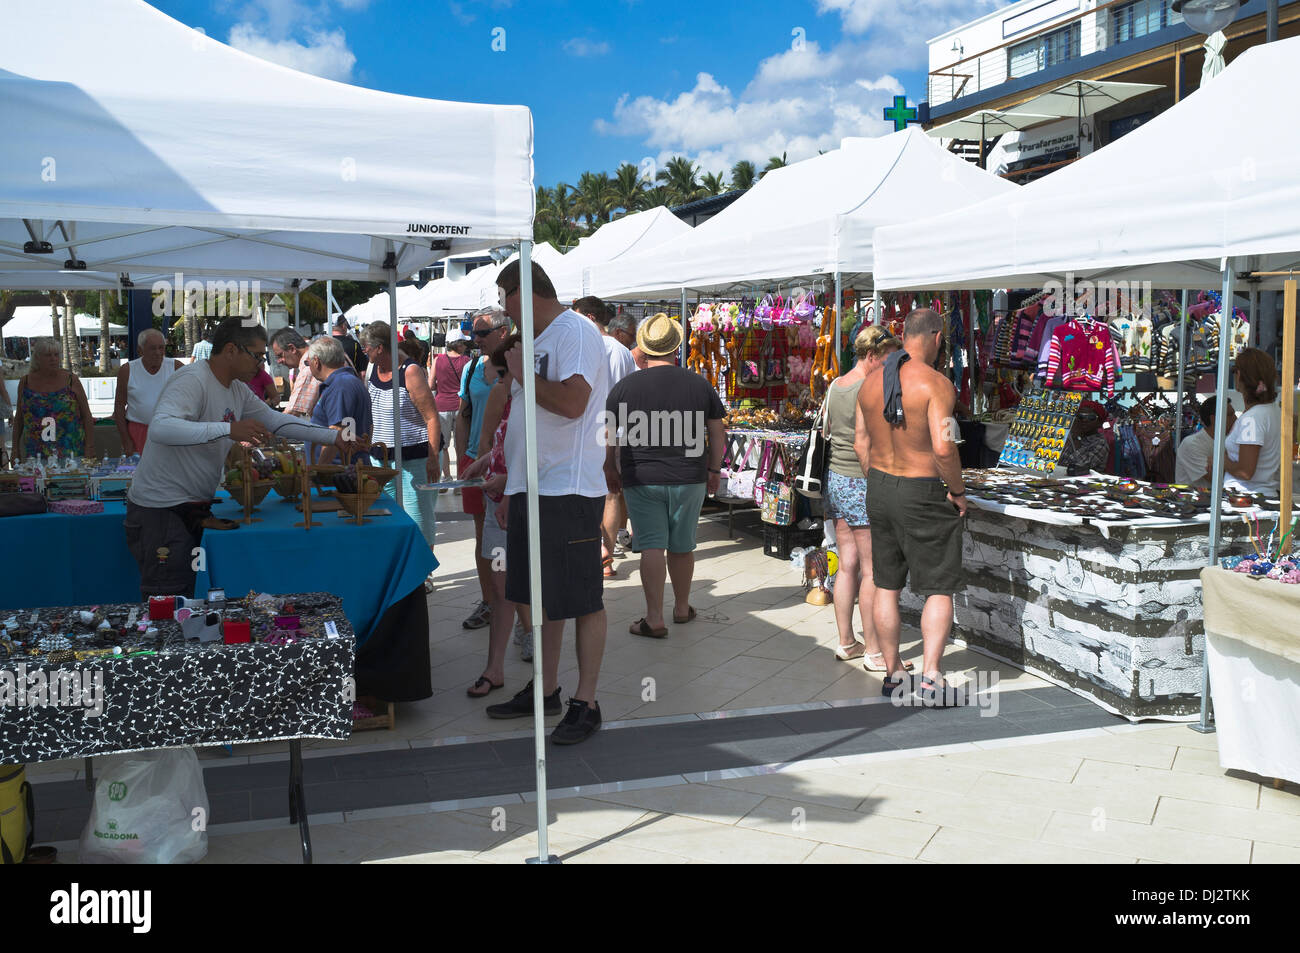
x=743, y=175
x=680, y=178
x=775, y=162
x=714, y=184
x=629, y=188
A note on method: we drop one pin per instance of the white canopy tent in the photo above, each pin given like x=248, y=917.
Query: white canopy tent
x=112, y=167
x=1143, y=207
x=1136, y=211
x=476, y=290
x=34, y=321
x=815, y=217
x=159, y=148
x=626, y=236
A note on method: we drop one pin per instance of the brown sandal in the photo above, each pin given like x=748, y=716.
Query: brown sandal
x=642, y=627
x=689, y=617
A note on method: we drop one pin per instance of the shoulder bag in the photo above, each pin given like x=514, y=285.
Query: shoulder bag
x=812, y=464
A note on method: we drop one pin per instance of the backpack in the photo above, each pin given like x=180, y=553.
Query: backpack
x=17, y=814
x=468, y=412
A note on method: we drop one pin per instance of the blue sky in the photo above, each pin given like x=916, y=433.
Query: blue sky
x=622, y=80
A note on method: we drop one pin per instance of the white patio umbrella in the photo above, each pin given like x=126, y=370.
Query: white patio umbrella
x=986, y=123
x=1083, y=97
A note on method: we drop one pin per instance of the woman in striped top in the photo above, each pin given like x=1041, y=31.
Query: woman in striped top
x=421, y=435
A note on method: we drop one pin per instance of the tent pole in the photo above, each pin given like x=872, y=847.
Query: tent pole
x=297, y=315
x=875, y=302
x=686, y=331
x=1216, y=482
x=1182, y=372
x=534, y=541
x=397, y=385
x=839, y=318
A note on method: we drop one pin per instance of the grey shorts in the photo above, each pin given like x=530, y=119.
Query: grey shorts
x=914, y=531
x=163, y=549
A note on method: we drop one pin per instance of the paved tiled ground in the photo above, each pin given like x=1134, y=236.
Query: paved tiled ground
x=823, y=778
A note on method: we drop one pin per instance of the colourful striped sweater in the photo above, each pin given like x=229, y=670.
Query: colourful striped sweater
x=1083, y=353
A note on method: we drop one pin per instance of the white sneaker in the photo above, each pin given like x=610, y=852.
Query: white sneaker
x=624, y=538
x=619, y=551
x=524, y=639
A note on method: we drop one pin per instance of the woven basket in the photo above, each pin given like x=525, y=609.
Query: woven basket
x=260, y=488
x=289, y=487
x=356, y=504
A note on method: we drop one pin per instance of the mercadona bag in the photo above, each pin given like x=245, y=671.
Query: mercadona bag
x=812, y=465
x=17, y=814
x=145, y=811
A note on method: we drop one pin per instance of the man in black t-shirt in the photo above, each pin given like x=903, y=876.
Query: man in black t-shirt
x=356, y=357
x=665, y=422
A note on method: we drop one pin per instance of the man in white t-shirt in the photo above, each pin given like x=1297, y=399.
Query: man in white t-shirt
x=621, y=364
x=1196, y=451
x=571, y=373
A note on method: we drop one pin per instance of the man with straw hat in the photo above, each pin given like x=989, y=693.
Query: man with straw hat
x=665, y=422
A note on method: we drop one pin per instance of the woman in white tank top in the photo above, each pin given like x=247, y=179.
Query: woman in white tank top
x=139, y=385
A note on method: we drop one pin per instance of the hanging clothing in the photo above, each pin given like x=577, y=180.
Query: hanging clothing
x=893, y=388
x=1082, y=356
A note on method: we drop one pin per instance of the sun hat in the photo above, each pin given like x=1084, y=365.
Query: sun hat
x=659, y=336
x=456, y=334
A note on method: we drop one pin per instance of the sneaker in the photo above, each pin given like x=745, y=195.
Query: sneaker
x=521, y=706
x=624, y=538
x=480, y=617
x=579, y=723
x=619, y=551
x=524, y=639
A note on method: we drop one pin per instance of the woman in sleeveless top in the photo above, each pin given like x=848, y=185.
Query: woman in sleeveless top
x=139, y=385
x=420, y=428
x=846, y=502
x=53, y=417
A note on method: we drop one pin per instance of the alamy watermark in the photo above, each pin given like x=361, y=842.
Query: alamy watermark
x=980, y=690
x=213, y=298
x=65, y=688
x=655, y=428
x=1098, y=298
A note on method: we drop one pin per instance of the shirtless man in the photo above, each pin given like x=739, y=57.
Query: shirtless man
x=915, y=496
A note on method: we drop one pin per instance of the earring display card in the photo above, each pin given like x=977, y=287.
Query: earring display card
x=1037, y=437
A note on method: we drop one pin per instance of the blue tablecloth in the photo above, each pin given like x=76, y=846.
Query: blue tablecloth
x=57, y=560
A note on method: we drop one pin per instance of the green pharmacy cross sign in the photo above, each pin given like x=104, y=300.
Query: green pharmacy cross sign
x=900, y=113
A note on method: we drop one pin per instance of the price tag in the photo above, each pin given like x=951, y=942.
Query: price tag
x=332, y=629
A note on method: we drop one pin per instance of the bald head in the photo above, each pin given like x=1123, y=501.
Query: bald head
x=922, y=321
x=923, y=335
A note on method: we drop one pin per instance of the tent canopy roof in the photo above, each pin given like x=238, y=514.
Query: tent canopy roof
x=1153, y=206
x=34, y=321
x=161, y=149
x=811, y=218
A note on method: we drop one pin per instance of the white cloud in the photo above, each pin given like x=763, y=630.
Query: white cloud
x=325, y=53
x=905, y=28
x=581, y=46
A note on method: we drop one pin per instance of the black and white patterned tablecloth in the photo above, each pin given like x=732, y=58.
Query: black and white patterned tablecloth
x=188, y=694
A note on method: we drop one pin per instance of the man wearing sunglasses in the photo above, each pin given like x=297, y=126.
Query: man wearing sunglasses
x=202, y=408
x=490, y=328
x=571, y=375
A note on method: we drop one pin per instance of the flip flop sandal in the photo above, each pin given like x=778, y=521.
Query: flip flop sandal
x=841, y=653
x=937, y=694
x=875, y=662
x=483, y=680
x=642, y=627
x=690, y=617
x=892, y=685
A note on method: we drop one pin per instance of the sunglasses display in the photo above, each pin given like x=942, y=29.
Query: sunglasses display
x=1040, y=430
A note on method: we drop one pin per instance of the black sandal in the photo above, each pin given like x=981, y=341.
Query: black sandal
x=891, y=685
x=483, y=680
x=937, y=695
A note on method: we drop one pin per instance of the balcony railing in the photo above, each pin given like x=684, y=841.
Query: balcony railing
x=1093, y=31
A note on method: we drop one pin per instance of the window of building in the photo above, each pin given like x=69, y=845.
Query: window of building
x=1044, y=51
x=1141, y=17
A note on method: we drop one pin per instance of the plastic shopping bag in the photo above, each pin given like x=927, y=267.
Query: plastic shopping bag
x=150, y=808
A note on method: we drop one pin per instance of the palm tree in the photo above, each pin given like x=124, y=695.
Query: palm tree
x=655, y=197
x=714, y=184
x=743, y=175
x=680, y=178
x=629, y=188
x=775, y=163
x=595, y=198
x=71, y=342
x=103, y=332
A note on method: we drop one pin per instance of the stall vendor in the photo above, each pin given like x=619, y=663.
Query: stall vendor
x=202, y=408
x=1087, y=448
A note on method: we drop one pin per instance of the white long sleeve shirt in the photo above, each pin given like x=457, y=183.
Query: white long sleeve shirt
x=189, y=436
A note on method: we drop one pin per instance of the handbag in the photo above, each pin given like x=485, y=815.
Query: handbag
x=766, y=463
x=740, y=479
x=812, y=464
x=21, y=504
x=777, y=507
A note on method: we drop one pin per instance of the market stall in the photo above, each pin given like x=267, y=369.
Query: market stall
x=383, y=594
x=1252, y=641
x=1091, y=584
x=107, y=679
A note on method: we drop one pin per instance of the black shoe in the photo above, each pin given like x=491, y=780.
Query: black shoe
x=521, y=706
x=579, y=723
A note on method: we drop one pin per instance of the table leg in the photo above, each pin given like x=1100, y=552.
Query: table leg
x=90, y=775
x=297, y=798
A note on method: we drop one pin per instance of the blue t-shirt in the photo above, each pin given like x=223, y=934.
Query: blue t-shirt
x=476, y=392
x=343, y=395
